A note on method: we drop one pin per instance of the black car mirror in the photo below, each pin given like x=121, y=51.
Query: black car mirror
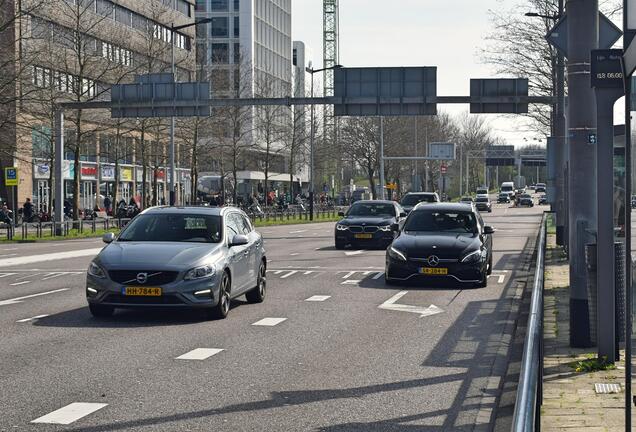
x=402, y=214
x=238, y=240
x=341, y=213
x=489, y=230
x=108, y=237
x=395, y=227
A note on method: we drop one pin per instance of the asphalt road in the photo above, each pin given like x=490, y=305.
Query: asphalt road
x=338, y=363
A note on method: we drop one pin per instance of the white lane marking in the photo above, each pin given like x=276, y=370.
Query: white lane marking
x=294, y=254
x=359, y=252
x=308, y=272
x=199, y=354
x=350, y=282
x=7, y=255
x=19, y=299
x=19, y=283
x=53, y=275
x=318, y=298
x=378, y=275
x=391, y=305
x=9, y=249
x=35, y=318
x=291, y=273
x=348, y=275
x=4, y=275
x=25, y=277
x=70, y=413
x=49, y=257
x=269, y=322
x=298, y=232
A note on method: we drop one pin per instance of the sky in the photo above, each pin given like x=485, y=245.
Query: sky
x=442, y=33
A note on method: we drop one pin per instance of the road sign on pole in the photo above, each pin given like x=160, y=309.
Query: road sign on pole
x=481, y=89
x=441, y=151
x=608, y=34
x=388, y=91
x=11, y=176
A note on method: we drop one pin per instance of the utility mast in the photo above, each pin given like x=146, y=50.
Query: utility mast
x=331, y=53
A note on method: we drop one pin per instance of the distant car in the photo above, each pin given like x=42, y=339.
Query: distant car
x=508, y=187
x=169, y=257
x=412, y=199
x=483, y=204
x=543, y=200
x=481, y=192
x=441, y=242
x=633, y=201
x=503, y=198
x=368, y=223
x=466, y=200
x=540, y=187
x=525, y=200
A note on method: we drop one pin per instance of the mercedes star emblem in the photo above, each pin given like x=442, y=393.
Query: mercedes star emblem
x=433, y=261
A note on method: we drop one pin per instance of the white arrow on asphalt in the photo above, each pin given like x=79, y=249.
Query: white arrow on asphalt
x=19, y=299
x=390, y=305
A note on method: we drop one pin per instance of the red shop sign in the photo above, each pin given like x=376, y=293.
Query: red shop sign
x=89, y=171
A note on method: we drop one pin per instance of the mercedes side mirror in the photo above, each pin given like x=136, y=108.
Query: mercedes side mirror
x=489, y=230
x=239, y=240
x=341, y=213
x=108, y=237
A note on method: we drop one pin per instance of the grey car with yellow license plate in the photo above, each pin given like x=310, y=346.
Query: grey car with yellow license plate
x=171, y=257
x=441, y=243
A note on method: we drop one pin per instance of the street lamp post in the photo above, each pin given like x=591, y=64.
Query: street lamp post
x=171, y=155
x=312, y=71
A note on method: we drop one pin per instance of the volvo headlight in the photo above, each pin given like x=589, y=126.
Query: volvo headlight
x=385, y=228
x=475, y=256
x=341, y=227
x=397, y=254
x=200, y=272
x=96, y=271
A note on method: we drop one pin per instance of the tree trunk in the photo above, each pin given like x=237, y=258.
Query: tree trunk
x=371, y=173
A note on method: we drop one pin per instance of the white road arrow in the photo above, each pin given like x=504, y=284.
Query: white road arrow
x=390, y=305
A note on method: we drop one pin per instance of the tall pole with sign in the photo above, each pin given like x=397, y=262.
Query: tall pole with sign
x=607, y=80
x=582, y=39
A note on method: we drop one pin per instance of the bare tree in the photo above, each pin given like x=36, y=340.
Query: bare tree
x=360, y=138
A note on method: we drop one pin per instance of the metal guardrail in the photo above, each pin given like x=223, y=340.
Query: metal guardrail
x=527, y=414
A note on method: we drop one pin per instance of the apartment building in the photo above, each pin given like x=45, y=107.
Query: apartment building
x=74, y=50
x=246, y=51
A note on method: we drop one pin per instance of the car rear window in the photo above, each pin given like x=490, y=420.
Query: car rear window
x=195, y=228
x=482, y=200
x=414, y=199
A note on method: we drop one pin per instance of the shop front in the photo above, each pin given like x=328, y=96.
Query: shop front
x=126, y=183
x=41, y=186
x=88, y=185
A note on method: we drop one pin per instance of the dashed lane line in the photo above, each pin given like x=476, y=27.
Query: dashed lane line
x=348, y=275
x=4, y=275
x=35, y=318
x=269, y=322
x=20, y=299
x=318, y=298
x=291, y=273
x=70, y=413
x=378, y=275
x=350, y=282
x=19, y=283
x=200, y=354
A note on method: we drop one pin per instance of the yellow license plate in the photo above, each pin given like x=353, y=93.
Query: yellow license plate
x=142, y=291
x=364, y=236
x=433, y=271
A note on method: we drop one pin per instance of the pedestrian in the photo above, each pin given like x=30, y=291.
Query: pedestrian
x=107, y=204
x=27, y=210
x=6, y=215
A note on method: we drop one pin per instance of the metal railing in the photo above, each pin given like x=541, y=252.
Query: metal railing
x=527, y=414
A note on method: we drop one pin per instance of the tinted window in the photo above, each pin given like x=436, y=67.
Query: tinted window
x=194, y=228
x=369, y=209
x=482, y=199
x=436, y=221
x=411, y=200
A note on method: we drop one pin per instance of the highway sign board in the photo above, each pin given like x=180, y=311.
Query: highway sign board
x=482, y=89
x=608, y=34
x=11, y=176
x=607, y=68
x=388, y=91
x=442, y=151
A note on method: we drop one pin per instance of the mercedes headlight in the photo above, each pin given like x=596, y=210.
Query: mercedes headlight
x=474, y=257
x=341, y=227
x=397, y=254
x=385, y=228
x=200, y=272
x=96, y=271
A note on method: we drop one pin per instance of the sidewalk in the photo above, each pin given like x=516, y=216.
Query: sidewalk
x=570, y=401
